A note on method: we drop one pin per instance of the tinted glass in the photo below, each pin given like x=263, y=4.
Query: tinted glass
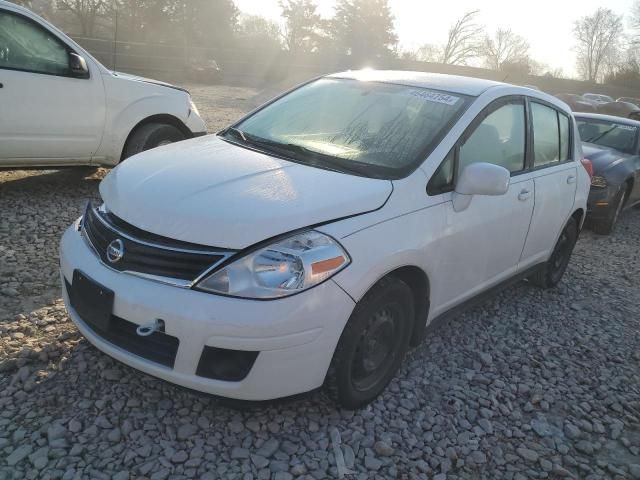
x=26, y=46
x=546, y=138
x=442, y=179
x=565, y=137
x=614, y=135
x=380, y=127
x=499, y=139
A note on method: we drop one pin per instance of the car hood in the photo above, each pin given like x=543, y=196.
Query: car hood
x=135, y=78
x=602, y=157
x=211, y=192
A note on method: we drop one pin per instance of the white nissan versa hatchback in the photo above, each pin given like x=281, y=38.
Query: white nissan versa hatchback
x=59, y=106
x=314, y=240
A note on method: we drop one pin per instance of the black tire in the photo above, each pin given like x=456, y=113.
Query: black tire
x=552, y=271
x=608, y=224
x=149, y=136
x=372, y=345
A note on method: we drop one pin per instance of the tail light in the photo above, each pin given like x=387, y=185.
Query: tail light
x=588, y=166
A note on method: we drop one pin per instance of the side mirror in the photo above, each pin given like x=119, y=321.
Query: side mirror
x=480, y=179
x=78, y=66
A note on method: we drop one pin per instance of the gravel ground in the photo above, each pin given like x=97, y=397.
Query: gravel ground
x=532, y=384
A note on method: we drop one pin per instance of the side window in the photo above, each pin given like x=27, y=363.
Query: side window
x=565, y=137
x=442, y=179
x=546, y=136
x=29, y=47
x=498, y=139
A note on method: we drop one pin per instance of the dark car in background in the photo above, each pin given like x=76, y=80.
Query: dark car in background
x=634, y=101
x=613, y=146
x=597, y=98
x=577, y=103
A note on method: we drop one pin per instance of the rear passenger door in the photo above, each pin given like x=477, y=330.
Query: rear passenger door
x=554, y=176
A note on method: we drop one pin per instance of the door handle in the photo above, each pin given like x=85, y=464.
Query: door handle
x=524, y=194
x=571, y=179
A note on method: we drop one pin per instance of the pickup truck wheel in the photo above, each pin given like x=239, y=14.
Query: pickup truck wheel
x=150, y=136
x=372, y=344
x=553, y=269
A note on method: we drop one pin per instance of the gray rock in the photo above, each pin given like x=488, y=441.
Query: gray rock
x=259, y=461
x=269, y=448
x=571, y=431
x=55, y=432
x=383, y=449
x=238, y=452
x=179, y=457
x=186, y=431
x=528, y=454
x=372, y=463
x=19, y=454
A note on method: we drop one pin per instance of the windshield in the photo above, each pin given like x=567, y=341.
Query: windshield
x=371, y=129
x=619, y=136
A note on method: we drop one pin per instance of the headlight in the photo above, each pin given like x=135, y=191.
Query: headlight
x=288, y=266
x=193, y=107
x=598, y=181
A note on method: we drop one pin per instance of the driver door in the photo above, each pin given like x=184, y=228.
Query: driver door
x=484, y=242
x=47, y=116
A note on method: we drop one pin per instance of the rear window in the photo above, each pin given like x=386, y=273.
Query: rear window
x=546, y=136
x=619, y=136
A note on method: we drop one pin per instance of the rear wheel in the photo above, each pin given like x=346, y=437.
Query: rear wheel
x=552, y=271
x=150, y=136
x=608, y=224
x=372, y=344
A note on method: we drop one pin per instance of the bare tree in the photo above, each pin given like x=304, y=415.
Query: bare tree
x=463, y=41
x=634, y=17
x=86, y=12
x=505, y=47
x=598, y=42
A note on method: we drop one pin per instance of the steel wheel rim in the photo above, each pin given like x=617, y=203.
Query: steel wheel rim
x=561, y=254
x=377, y=347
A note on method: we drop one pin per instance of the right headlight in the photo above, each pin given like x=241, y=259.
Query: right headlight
x=598, y=181
x=285, y=267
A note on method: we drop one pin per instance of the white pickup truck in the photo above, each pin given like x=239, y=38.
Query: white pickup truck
x=60, y=106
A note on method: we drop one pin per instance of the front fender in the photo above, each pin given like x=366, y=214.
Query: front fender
x=121, y=121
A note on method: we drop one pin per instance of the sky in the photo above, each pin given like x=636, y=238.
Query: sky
x=546, y=24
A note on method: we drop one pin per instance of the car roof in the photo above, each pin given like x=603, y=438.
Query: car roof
x=14, y=6
x=608, y=118
x=438, y=81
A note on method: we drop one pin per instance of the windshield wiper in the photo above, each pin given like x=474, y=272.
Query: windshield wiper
x=314, y=158
x=237, y=133
x=606, y=132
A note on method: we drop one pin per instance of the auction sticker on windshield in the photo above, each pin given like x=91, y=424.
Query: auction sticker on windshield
x=436, y=97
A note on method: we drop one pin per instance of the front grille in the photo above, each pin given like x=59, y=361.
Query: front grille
x=157, y=347
x=145, y=252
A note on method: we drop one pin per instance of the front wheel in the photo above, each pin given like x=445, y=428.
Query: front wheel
x=553, y=269
x=372, y=344
x=150, y=136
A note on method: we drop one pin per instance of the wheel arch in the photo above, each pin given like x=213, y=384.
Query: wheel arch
x=578, y=216
x=163, y=118
x=416, y=278
x=629, y=181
